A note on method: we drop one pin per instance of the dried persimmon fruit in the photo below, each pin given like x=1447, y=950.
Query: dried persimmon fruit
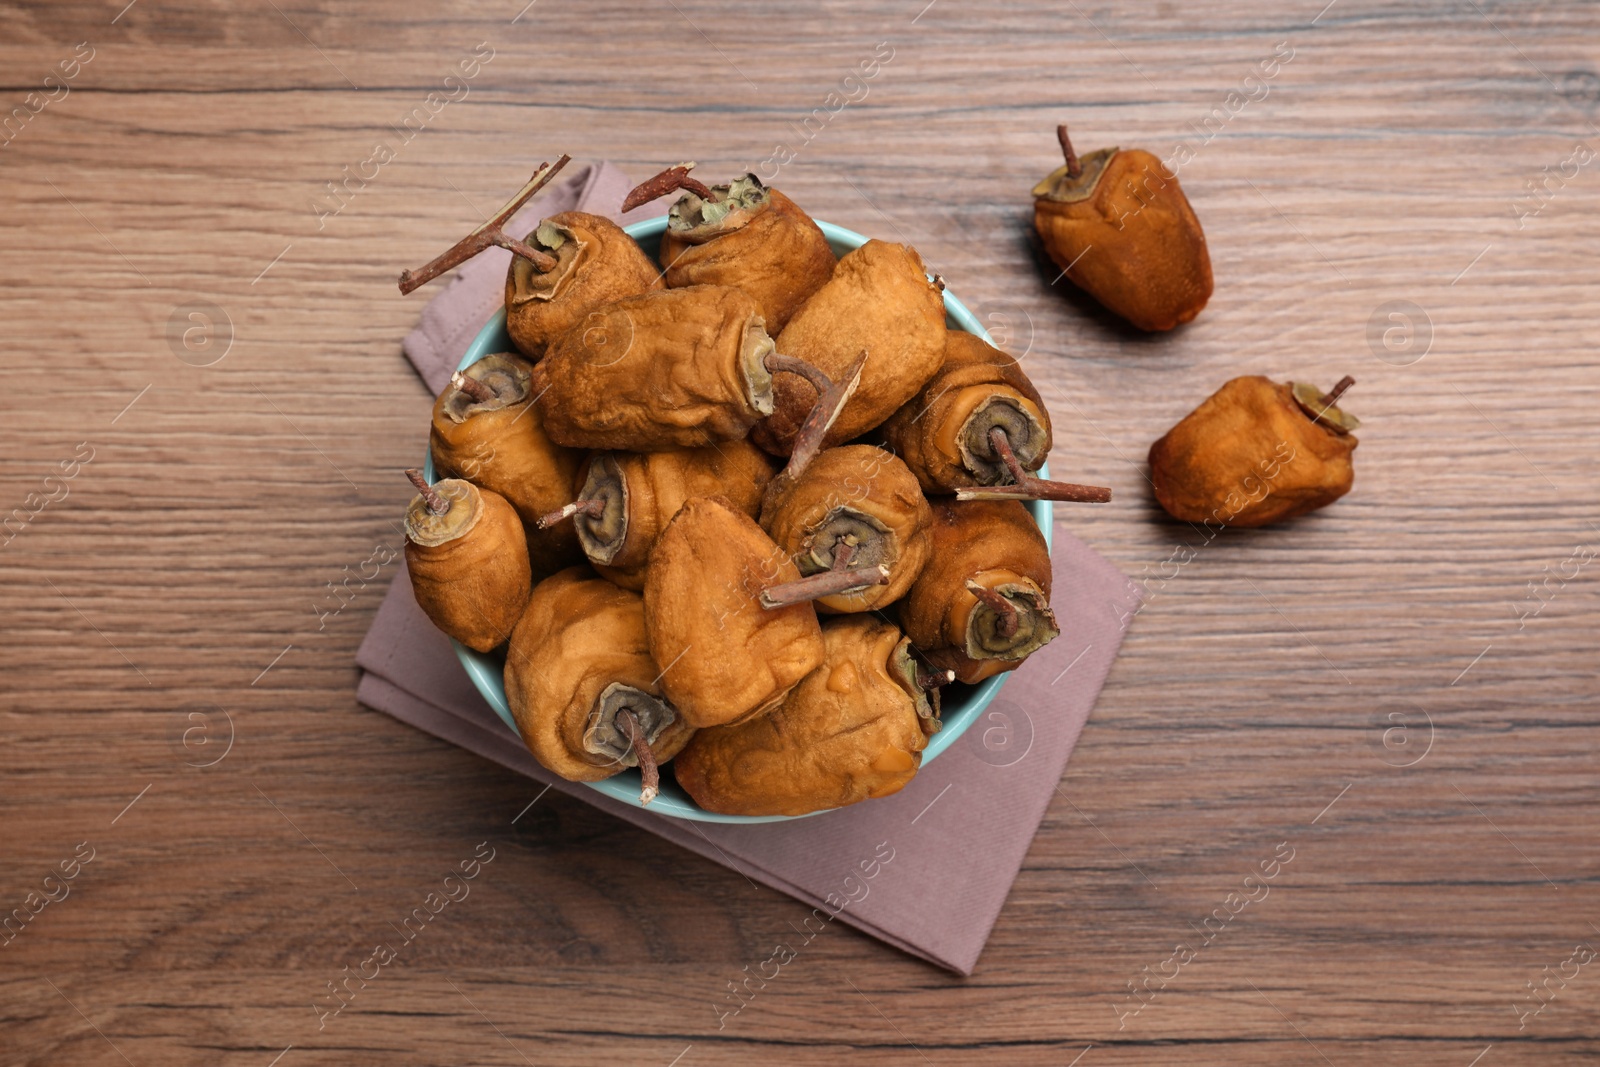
x=625, y=499
x=468, y=560
x=595, y=262
x=982, y=604
x=855, y=507
x=583, y=687
x=725, y=657
x=852, y=730
x=1118, y=225
x=744, y=234
x=485, y=432
x=979, y=429
x=880, y=301
x=1256, y=452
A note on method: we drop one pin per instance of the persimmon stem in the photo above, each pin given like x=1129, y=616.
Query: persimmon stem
x=649, y=772
x=929, y=679
x=830, y=404
x=1005, y=611
x=1026, y=486
x=477, y=390
x=824, y=583
x=1074, y=168
x=670, y=180
x=1337, y=391
x=490, y=233
x=436, y=501
x=831, y=400
x=592, y=508
x=778, y=363
x=1001, y=443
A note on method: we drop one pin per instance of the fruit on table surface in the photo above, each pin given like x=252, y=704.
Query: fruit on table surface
x=1118, y=225
x=1256, y=452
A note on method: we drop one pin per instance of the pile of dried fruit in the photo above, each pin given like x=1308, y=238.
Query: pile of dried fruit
x=747, y=512
x=1118, y=225
x=750, y=511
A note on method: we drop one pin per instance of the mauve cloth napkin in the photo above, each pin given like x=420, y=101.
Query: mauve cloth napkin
x=954, y=838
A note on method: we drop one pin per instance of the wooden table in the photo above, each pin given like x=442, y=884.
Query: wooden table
x=1401, y=689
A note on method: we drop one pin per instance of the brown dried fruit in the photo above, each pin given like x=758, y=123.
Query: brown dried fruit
x=1120, y=228
x=853, y=730
x=943, y=432
x=468, y=560
x=577, y=666
x=674, y=368
x=879, y=300
x=860, y=502
x=982, y=604
x=947, y=433
x=1256, y=452
x=752, y=238
x=596, y=263
x=631, y=497
x=724, y=657
x=485, y=431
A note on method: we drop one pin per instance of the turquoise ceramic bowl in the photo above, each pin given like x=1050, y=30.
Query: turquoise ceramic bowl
x=962, y=704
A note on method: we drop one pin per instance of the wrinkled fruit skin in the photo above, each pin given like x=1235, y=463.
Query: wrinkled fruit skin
x=579, y=635
x=875, y=483
x=970, y=538
x=924, y=431
x=879, y=299
x=779, y=257
x=848, y=732
x=609, y=265
x=724, y=658
x=659, y=483
x=503, y=447
x=1249, y=456
x=475, y=587
x=1143, y=253
x=652, y=372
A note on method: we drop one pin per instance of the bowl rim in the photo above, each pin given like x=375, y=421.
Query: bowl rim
x=485, y=671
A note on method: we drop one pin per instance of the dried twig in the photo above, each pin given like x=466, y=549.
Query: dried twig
x=489, y=234
x=1074, y=168
x=670, y=180
x=1005, y=611
x=592, y=508
x=477, y=390
x=824, y=583
x=436, y=501
x=1337, y=391
x=649, y=773
x=1028, y=487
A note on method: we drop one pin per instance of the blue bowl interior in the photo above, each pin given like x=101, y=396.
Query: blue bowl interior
x=962, y=704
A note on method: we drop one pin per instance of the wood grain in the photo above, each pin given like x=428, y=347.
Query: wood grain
x=175, y=587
